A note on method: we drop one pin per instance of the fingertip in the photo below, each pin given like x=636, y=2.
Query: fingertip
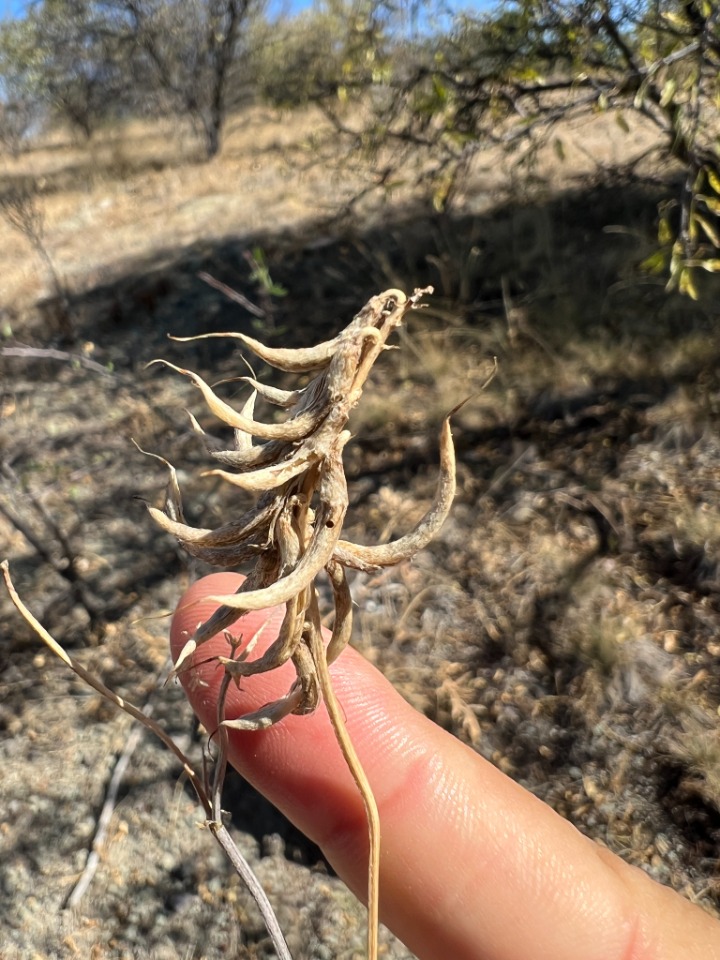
x=472, y=865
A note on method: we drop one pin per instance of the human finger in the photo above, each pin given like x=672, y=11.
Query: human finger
x=473, y=867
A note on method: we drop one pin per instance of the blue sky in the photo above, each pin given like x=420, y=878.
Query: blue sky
x=14, y=8
x=10, y=8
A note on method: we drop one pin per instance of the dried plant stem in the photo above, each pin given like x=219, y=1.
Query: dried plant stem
x=342, y=736
x=210, y=806
x=294, y=532
x=66, y=566
x=232, y=294
x=48, y=353
x=108, y=808
x=106, y=692
x=242, y=868
x=221, y=834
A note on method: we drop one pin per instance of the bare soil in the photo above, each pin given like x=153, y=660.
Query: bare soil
x=566, y=623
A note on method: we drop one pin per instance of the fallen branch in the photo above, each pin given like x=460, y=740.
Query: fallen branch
x=103, y=823
x=66, y=565
x=49, y=353
x=232, y=294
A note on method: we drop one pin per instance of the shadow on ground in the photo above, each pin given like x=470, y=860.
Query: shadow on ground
x=594, y=361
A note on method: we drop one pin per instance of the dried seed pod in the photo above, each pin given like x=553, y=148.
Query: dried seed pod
x=293, y=532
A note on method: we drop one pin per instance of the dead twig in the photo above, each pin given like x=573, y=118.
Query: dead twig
x=108, y=808
x=218, y=830
x=48, y=353
x=232, y=294
x=66, y=564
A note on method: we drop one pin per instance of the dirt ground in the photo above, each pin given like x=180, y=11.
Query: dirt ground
x=566, y=623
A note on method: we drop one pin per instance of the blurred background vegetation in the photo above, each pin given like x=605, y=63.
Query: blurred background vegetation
x=409, y=77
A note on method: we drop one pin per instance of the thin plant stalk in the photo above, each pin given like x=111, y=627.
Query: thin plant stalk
x=217, y=828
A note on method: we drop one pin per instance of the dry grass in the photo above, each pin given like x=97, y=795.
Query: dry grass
x=141, y=188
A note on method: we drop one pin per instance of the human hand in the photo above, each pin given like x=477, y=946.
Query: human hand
x=473, y=867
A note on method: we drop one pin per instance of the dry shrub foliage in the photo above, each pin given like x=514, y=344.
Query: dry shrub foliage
x=293, y=534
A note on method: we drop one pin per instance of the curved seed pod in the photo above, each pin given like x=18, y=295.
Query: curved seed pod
x=328, y=522
x=226, y=556
x=278, y=453
x=346, y=556
x=173, y=497
x=307, y=675
x=313, y=561
x=182, y=531
x=243, y=440
x=280, y=398
x=277, y=653
x=210, y=443
x=257, y=519
x=294, y=429
x=263, y=574
x=287, y=538
x=342, y=628
x=302, y=360
x=268, y=478
x=269, y=714
x=387, y=555
x=251, y=458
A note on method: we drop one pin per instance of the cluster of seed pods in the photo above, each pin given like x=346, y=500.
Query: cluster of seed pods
x=293, y=532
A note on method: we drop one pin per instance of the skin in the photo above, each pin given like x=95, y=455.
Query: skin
x=473, y=867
